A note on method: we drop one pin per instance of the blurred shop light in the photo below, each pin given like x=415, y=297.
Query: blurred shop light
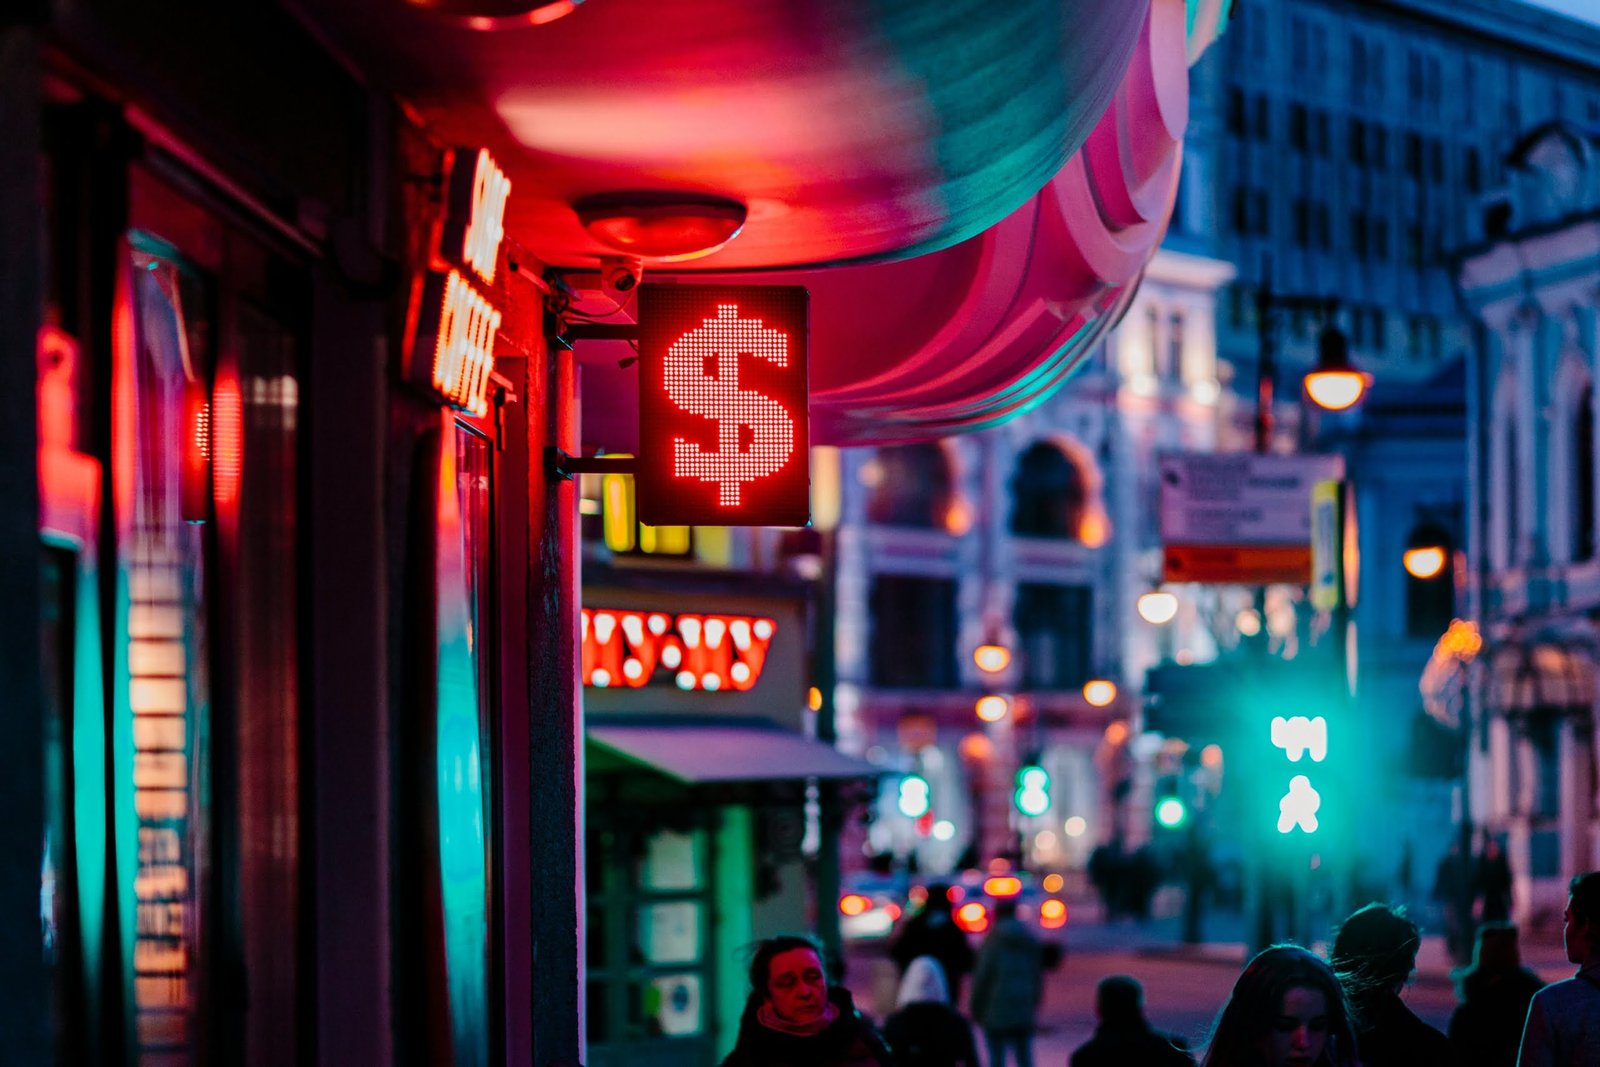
x=915, y=796
x=1075, y=826
x=1158, y=607
x=662, y=226
x=992, y=708
x=944, y=830
x=991, y=659
x=1052, y=882
x=1100, y=692
x=1053, y=914
x=1247, y=622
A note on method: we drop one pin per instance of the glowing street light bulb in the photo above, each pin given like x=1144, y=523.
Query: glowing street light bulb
x=1158, y=607
x=992, y=708
x=991, y=659
x=1099, y=692
x=1335, y=390
x=1425, y=562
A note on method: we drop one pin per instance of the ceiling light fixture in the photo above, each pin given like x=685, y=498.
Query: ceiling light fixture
x=499, y=14
x=669, y=227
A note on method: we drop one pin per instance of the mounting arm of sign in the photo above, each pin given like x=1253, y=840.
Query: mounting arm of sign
x=561, y=465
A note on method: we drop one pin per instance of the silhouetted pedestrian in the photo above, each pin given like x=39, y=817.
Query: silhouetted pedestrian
x=1124, y=1037
x=1494, y=993
x=1491, y=882
x=1287, y=1010
x=1450, y=892
x=925, y=1031
x=932, y=931
x=1374, y=953
x=1007, y=986
x=1563, y=1028
x=793, y=1019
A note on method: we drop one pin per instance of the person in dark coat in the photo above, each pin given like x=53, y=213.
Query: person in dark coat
x=1007, y=986
x=1494, y=993
x=1374, y=953
x=793, y=1019
x=1491, y=882
x=1124, y=1036
x=932, y=931
x=925, y=1031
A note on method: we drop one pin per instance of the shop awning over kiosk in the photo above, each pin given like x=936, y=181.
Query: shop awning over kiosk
x=701, y=751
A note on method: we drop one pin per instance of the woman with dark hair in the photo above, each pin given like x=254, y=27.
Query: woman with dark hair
x=793, y=1019
x=1286, y=1010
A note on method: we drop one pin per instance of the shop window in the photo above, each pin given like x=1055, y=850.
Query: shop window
x=910, y=486
x=1583, y=496
x=1048, y=496
x=913, y=632
x=650, y=951
x=1055, y=632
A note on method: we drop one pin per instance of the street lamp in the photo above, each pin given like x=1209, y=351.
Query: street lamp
x=1334, y=384
x=1158, y=607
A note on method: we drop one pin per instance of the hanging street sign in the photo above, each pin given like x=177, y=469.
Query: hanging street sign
x=1240, y=517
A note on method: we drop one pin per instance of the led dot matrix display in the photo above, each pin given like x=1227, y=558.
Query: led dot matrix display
x=722, y=408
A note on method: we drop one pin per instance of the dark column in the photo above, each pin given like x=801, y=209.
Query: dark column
x=555, y=707
x=347, y=720
x=24, y=983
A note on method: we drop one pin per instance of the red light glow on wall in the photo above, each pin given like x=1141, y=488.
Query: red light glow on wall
x=695, y=652
x=723, y=406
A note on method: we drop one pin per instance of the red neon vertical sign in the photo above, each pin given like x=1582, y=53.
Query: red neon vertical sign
x=723, y=406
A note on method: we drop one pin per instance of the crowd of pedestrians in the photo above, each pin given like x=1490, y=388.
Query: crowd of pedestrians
x=1288, y=1008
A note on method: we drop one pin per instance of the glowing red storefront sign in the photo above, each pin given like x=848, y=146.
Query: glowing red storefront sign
x=698, y=652
x=723, y=406
x=454, y=322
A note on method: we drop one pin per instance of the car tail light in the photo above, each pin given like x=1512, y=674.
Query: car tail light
x=972, y=917
x=1002, y=885
x=854, y=904
x=1053, y=914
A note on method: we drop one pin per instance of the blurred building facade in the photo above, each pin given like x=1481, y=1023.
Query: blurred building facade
x=1349, y=143
x=1037, y=536
x=1532, y=278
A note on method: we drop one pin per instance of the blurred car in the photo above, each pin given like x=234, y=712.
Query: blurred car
x=870, y=905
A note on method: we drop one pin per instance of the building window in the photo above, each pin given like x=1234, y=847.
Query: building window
x=1261, y=212
x=1301, y=214
x=1236, y=120
x=1414, y=245
x=1380, y=238
x=1299, y=127
x=1380, y=145
x=1321, y=228
x=1263, y=119
x=1319, y=133
x=1471, y=174
x=1240, y=217
x=1380, y=328
x=1583, y=477
x=1358, y=234
x=910, y=487
x=1171, y=368
x=1055, y=630
x=1414, y=154
x=1358, y=68
x=913, y=632
x=1358, y=142
x=1047, y=493
x=1436, y=159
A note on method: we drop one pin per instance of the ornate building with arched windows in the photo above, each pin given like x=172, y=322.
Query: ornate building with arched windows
x=1533, y=282
x=1036, y=536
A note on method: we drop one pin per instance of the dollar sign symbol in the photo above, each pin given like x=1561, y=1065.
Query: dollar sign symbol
x=702, y=378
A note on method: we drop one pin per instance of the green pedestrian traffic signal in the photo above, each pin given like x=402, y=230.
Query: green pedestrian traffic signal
x=1033, y=790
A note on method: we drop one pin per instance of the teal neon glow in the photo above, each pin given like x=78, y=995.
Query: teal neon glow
x=463, y=863
x=1171, y=813
x=915, y=798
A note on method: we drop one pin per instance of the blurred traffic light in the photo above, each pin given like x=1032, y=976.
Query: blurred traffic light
x=1170, y=810
x=915, y=796
x=1033, y=790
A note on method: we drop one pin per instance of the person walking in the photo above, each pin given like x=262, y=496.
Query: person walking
x=793, y=1019
x=1374, y=953
x=925, y=1031
x=1563, y=1027
x=1494, y=994
x=1124, y=1036
x=932, y=931
x=1491, y=882
x=1286, y=1010
x=1007, y=985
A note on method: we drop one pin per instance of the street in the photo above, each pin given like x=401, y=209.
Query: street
x=1185, y=986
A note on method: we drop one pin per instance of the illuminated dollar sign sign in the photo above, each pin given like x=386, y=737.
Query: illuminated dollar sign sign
x=755, y=435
